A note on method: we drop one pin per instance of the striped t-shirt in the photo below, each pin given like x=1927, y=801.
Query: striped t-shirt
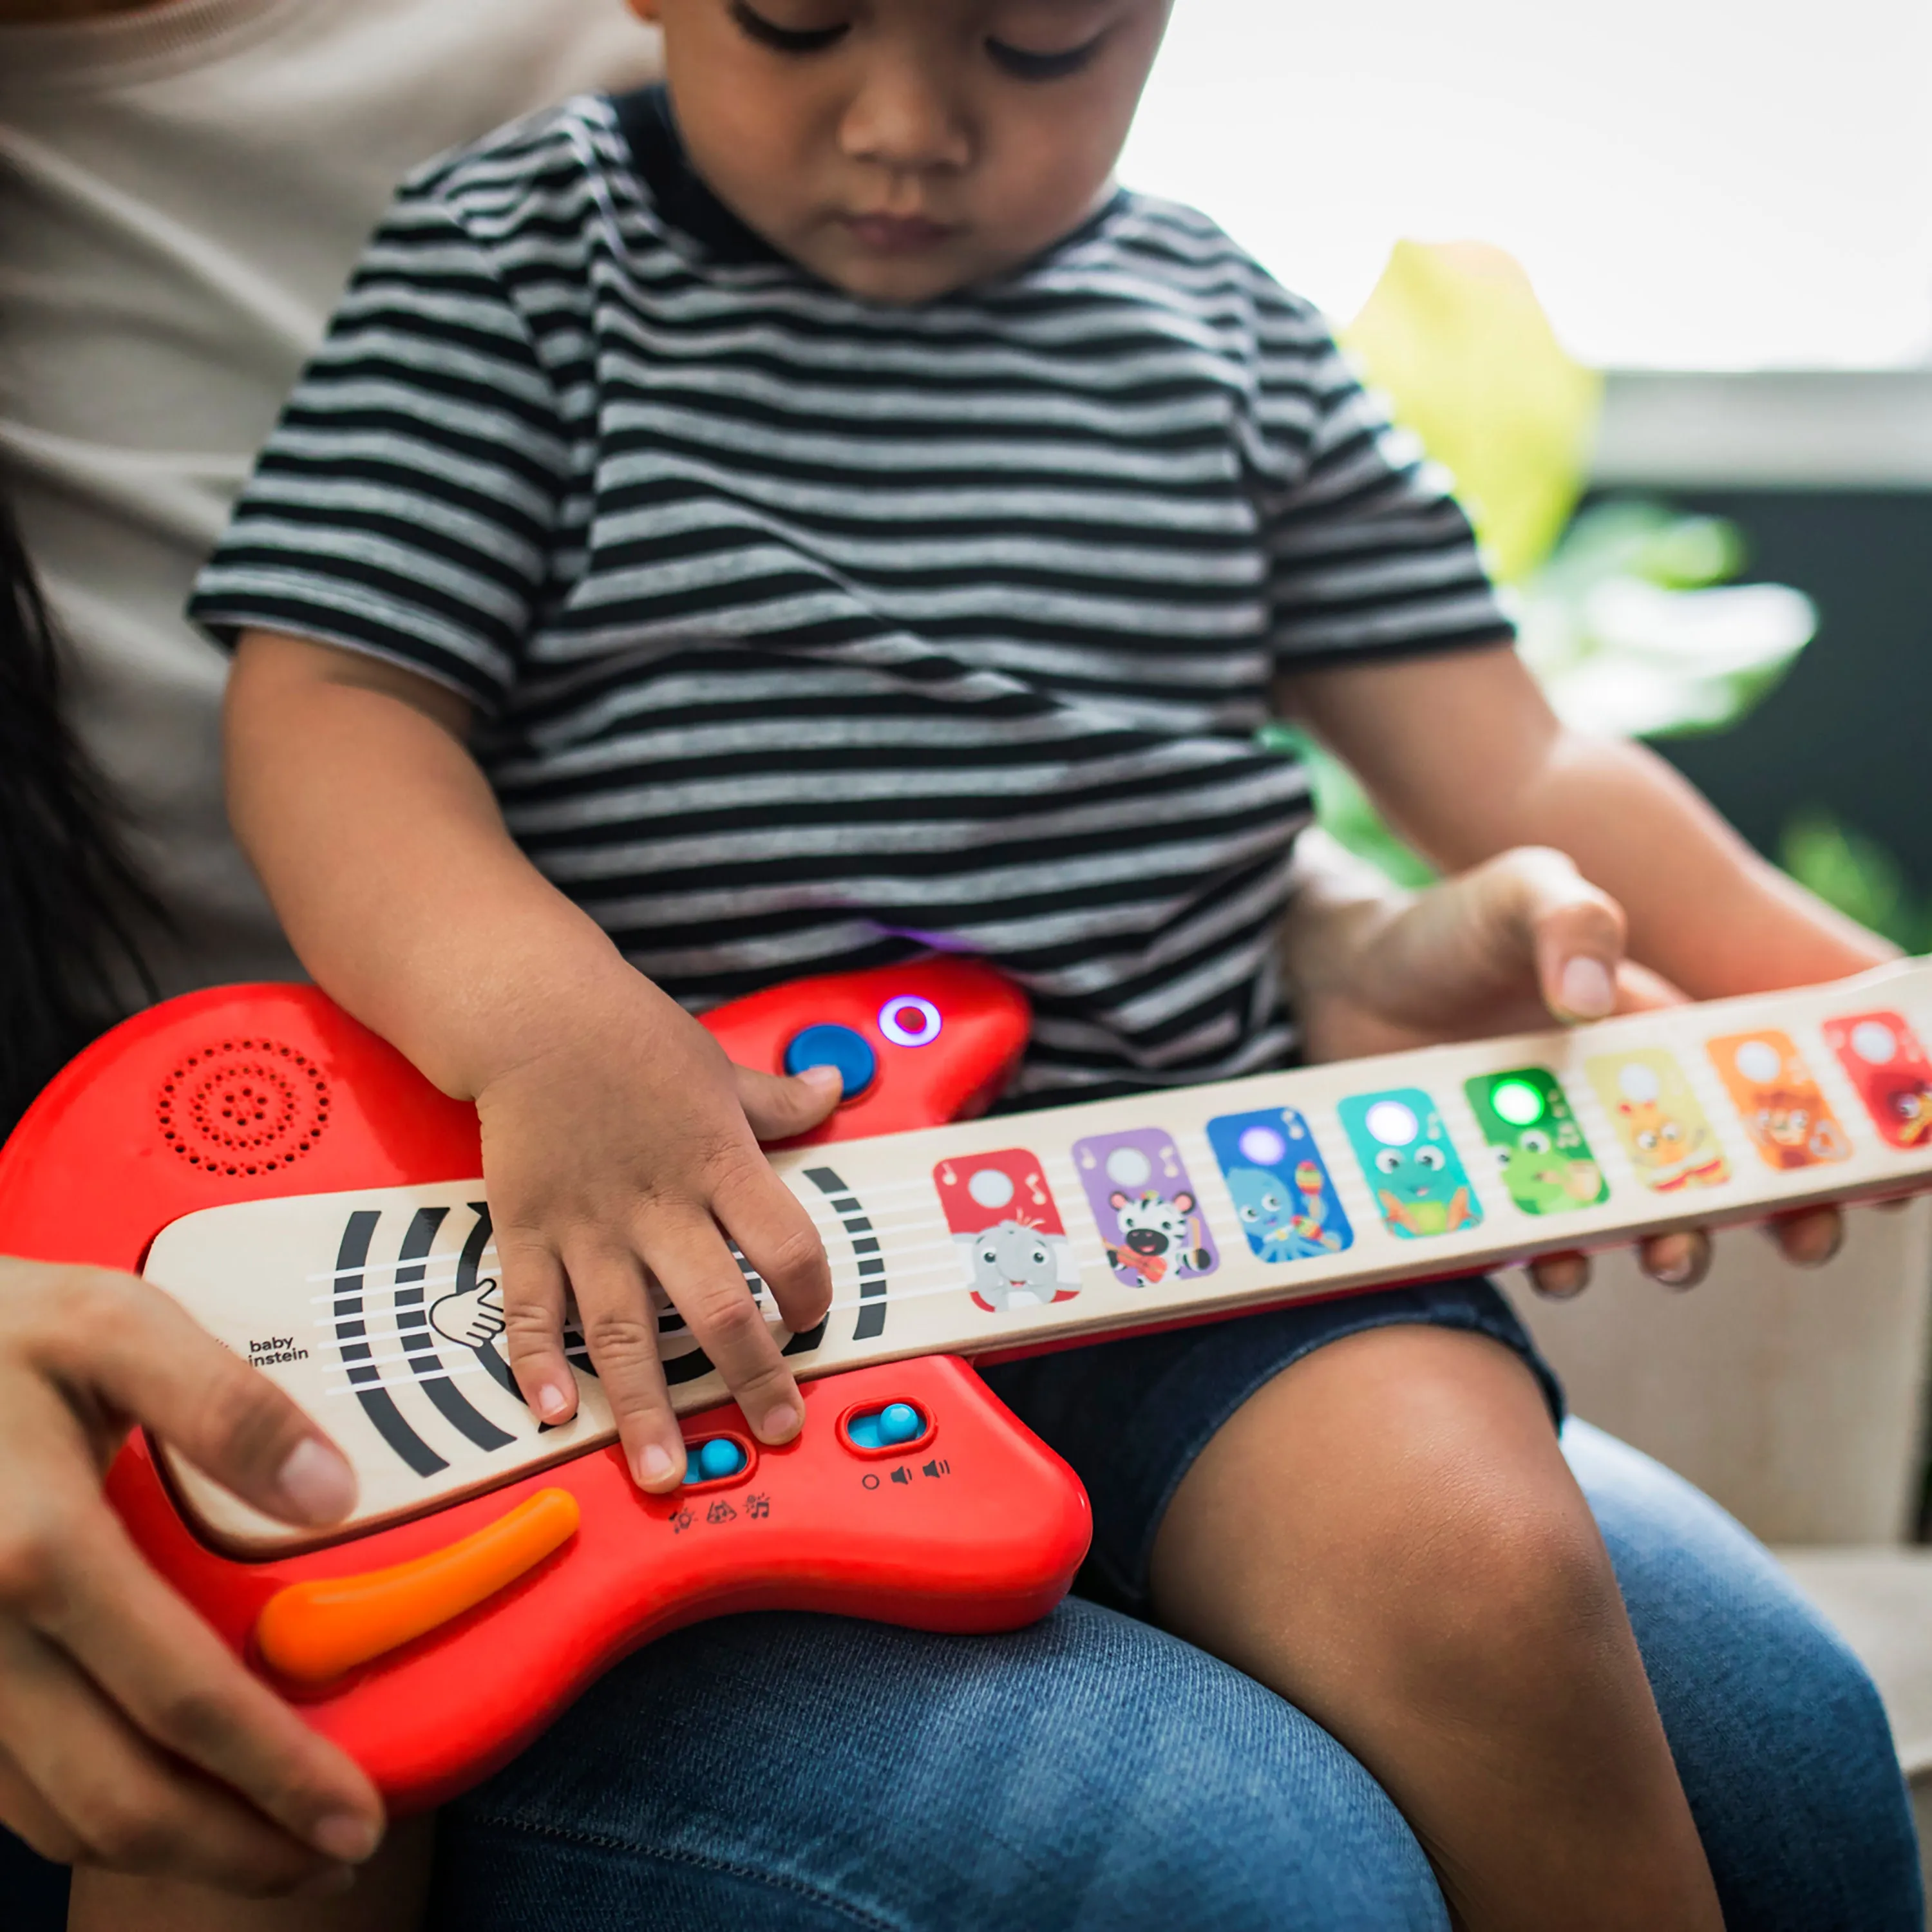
x=805, y=634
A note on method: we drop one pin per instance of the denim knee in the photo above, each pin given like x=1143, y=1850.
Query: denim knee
x=1780, y=1738
x=815, y=1772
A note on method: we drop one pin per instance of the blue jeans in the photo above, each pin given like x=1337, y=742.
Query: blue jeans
x=1093, y=1773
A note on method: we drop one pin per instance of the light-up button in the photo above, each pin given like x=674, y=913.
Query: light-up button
x=1392, y=1124
x=909, y=1021
x=1874, y=1042
x=712, y=1462
x=890, y=1427
x=1517, y=1102
x=829, y=1045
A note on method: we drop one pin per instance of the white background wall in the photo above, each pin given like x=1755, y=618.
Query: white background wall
x=1692, y=183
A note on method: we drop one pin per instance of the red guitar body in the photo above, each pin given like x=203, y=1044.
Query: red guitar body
x=255, y=1092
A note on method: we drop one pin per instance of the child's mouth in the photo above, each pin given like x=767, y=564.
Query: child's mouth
x=897, y=234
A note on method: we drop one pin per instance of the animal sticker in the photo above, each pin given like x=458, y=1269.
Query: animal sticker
x=1283, y=1197
x=1670, y=1142
x=1413, y=1168
x=1546, y=1163
x=1790, y=1121
x=1007, y=1228
x=1146, y=1207
x=1888, y=1067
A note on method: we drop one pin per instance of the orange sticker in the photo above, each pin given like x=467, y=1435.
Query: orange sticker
x=1788, y=1120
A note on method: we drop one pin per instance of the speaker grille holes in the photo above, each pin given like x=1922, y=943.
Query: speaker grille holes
x=244, y=1106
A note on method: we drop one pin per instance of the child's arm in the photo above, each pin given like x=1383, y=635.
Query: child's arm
x=617, y=1139
x=1466, y=759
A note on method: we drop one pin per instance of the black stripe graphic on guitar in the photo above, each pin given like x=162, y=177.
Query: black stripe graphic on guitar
x=412, y=1324
x=466, y=1265
x=351, y=1342
x=865, y=1251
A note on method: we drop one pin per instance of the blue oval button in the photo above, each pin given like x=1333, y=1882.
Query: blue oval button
x=839, y=1046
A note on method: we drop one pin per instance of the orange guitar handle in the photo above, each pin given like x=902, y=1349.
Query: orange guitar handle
x=312, y=1633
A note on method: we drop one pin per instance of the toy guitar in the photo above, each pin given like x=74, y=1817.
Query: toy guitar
x=313, y=1202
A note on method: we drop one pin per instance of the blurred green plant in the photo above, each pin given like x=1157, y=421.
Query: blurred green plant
x=1627, y=612
x=1858, y=875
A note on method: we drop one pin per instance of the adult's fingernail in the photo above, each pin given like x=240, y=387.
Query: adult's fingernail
x=552, y=1401
x=781, y=1423
x=1586, y=988
x=654, y=1465
x=316, y=1480
x=825, y=1079
x=343, y=1835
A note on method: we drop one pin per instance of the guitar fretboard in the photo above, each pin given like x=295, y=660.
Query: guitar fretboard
x=381, y=1312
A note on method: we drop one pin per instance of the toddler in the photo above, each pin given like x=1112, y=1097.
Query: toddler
x=808, y=515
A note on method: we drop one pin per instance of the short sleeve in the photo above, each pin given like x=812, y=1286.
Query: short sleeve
x=404, y=505
x=1369, y=553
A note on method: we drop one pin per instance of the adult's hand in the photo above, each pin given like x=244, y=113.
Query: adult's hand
x=130, y=1736
x=1503, y=948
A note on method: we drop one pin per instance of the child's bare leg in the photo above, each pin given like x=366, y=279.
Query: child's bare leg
x=389, y=1895
x=1388, y=1534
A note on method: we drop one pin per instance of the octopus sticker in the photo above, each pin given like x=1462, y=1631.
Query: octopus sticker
x=1146, y=1208
x=1888, y=1067
x=1788, y=1120
x=1008, y=1230
x=1283, y=1197
x=1670, y=1141
x=1412, y=1165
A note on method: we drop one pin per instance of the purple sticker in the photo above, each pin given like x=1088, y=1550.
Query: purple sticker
x=1148, y=1211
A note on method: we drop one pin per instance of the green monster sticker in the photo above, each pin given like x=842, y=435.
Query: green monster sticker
x=1545, y=1164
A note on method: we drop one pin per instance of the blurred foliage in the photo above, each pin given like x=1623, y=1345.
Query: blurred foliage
x=1628, y=613
x=1859, y=876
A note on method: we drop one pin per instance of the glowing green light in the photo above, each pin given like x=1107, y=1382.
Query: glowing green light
x=1517, y=1102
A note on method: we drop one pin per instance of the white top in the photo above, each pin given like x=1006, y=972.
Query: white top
x=183, y=192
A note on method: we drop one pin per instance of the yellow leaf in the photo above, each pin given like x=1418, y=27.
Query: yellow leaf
x=1453, y=336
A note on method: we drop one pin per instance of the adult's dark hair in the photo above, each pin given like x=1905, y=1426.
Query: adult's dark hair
x=71, y=903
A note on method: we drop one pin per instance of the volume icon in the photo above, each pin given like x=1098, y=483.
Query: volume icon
x=936, y=1467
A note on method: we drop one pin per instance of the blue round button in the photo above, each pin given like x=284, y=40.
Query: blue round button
x=900, y=1422
x=839, y=1046
x=716, y=1460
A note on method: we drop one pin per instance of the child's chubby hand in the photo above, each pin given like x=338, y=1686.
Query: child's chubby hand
x=1502, y=948
x=621, y=1146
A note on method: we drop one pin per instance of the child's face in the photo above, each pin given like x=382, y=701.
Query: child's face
x=903, y=148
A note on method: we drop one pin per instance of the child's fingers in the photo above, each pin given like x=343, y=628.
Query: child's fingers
x=29, y=1817
x=776, y=1236
x=1680, y=1260
x=779, y=1107
x=1810, y=1237
x=699, y=1275
x=533, y=1306
x=1576, y=932
x=620, y=1329
x=1560, y=1277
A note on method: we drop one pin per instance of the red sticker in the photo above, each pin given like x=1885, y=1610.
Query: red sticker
x=1007, y=1225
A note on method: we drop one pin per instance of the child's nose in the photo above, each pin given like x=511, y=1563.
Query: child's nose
x=905, y=117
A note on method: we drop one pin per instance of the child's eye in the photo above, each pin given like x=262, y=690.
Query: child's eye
x=785, y=40
x=1023, y=65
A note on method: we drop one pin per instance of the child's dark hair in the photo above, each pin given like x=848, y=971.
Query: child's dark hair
x=71, y=902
